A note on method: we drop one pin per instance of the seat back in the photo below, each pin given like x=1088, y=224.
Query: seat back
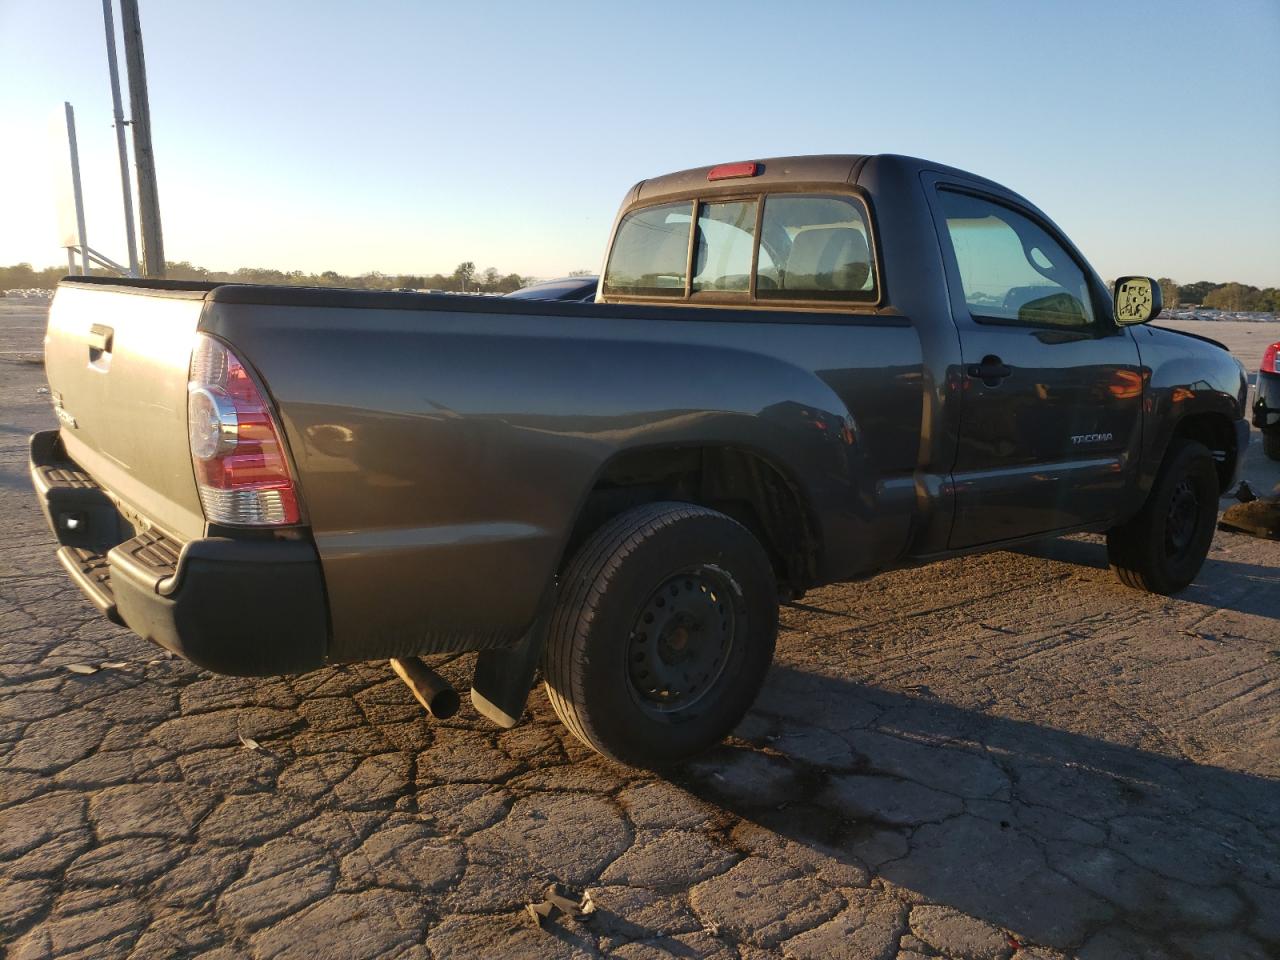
x=827, y=258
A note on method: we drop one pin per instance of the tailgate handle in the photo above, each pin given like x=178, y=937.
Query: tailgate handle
x=100, y=337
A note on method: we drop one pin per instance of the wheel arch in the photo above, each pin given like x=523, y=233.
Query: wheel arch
x=1217, y=432
x=746, y=484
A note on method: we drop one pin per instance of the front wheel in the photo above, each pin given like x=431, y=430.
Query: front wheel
x=662, y=634
x=1162, y=548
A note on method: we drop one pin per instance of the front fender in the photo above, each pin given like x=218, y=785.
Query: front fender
x=1185, y=376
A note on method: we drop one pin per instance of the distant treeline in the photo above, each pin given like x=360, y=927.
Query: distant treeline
x=1220, y=296
x=464, y=277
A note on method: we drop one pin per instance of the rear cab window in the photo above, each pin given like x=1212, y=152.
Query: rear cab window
x=723, y=243
x=650, y=255
x=819, y=248
x=774, y=249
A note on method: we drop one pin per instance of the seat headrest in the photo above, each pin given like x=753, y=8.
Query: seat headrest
x=827, y=258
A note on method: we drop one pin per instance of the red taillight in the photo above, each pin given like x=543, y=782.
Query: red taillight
x=241, y=468
x=1271, y=359
x=731, y=171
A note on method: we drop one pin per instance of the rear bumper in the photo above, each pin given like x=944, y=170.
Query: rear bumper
x=241, y=607
x=1266, y=401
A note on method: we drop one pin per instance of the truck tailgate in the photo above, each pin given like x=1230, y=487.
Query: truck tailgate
x=117, y=363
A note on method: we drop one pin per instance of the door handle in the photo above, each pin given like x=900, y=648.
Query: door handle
x=990, y=371
x=100, y=337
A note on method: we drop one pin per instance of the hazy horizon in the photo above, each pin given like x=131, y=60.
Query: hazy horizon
x=407, y=138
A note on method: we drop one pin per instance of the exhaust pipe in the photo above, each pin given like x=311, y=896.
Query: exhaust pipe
x=430, y=689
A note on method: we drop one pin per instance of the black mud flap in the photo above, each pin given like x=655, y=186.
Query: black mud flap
x=504, y=677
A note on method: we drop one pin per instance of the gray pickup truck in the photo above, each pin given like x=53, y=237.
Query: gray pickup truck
x=796, y=371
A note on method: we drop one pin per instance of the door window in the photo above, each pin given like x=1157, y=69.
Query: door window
x=1011, y=269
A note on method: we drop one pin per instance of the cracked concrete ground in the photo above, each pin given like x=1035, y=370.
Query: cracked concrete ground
x=1000, y=756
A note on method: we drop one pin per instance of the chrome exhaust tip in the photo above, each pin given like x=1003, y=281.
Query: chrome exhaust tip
x=434, y=692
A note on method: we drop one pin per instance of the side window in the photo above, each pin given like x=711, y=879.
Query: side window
x=1011, y=269
x=650, y=253
x=722, y=246
x=814, y=247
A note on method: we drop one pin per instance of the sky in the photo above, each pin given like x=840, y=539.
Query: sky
x=408, y=136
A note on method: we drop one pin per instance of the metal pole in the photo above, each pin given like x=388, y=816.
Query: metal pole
x=118, y=111
x=75, y=189
x=143, y=156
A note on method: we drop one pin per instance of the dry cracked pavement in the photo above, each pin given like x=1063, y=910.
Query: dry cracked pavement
x=994, y=757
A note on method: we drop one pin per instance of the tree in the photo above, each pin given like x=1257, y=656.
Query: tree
x=1168, y=291
x=1236, y=296
x=183, y=270
x=1194, y=293
x=581, y=273
x=19, y=276
x=463, y=273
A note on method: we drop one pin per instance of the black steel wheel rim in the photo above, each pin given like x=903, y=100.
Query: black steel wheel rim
x=681, y=641
x=1184, y=515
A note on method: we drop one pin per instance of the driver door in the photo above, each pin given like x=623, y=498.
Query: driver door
x=1050, y=389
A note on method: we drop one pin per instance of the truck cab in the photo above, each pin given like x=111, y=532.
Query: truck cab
x=1035, y=393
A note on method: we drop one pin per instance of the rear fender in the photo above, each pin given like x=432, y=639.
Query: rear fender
x=445, y=456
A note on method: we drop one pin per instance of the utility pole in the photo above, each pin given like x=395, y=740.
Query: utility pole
x=143, y=155
x=78, y=196
x=114, y=68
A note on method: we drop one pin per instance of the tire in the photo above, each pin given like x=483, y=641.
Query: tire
x=1271, y=443
x=1162, y=549
x=662, y=634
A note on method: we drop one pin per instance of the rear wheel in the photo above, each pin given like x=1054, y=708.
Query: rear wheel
x=662, y=634
x=1271, y=443
x=1162, y=548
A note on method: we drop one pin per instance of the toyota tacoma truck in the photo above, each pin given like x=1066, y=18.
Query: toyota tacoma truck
x=796, y=371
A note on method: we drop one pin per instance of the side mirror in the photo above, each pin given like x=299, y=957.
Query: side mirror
x=1137, y=300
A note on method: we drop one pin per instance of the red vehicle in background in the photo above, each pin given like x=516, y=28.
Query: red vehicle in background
x=1266, y=401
